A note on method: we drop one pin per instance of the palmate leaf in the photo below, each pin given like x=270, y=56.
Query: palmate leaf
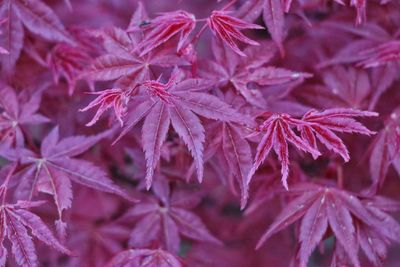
x=274, y=19
x=166, y=218
x=385, y=150
x=12, y=37
x=52, y=170
x=18, y=113
x=124, y=63
x=34, y=15
x=277, y=129
x=41, y=20
x=229, y=28
x=163, y=28
x=322, y=206
x=175, y=103
x=230, y=69
x=15, y=220
x=145, y=257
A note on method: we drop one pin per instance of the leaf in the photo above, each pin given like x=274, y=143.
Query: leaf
x=324, y=123
x=40, y=19
x=12, y=37
x=342, y=225
x=312, y=230
x=40, y=230
x=238, y=154
x=191, y=226
x=164, y=27
x=250, y=10
x=87, y=174
x=56, y=183
x=278, y=132
x=22, y=244
x=145, y=257
x=110, y=67
x=210, y=107
x=347, y=215
x=154, y=132
x=229, y=28
x=274, y=19
x=117, y=42
x=189, y=128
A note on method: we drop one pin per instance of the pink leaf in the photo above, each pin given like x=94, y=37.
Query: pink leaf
x=274, y=19
x=189, y=128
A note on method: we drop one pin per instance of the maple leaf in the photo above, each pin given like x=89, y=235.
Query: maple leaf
x=52, y=170
x=321, y=125
x=122, y=63
x=368, y=52
x=273, y=15
x=314, y=124
x=385, y=150
x=352, y=86
x=381, y=54
x=278, y=131
x=111, y=98
x=230, y=69
x=374, y=239
x=15, y=220
x=225, y=143
x=166, y=218
x=69, y=62
x=175, y=103
x=34, y=15
x=17, y=113
x=162, y=28
x=145, y=257
x=96, y=243
x=319, y=207
x=229, y=28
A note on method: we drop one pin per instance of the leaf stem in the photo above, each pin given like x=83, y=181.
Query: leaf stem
x=3, y=187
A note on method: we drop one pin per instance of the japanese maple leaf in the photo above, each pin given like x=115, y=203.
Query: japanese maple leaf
x=313, y=125
x=17, y=111
x=34, y=15
x=15, y=220
x=368, y=51
x=351, y=86
x=228, y=29
x=367, y=38
x=382, y=54
x=230, y=69
x=375, y=239
x=96, y=243
x=145, y=257
x=165, y=218
x=122, y=63
x=225, y=143
x=273, y=15
x=176, y=103
x=322, y=125
x=162, y=28
x=111, y=98
x=68, y=62
x=52, y=169
x=277, y=129
x=319, y=207
x=386, y=150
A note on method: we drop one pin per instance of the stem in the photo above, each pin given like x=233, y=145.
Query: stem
x=3, y=187
x=340, y=177
x=196, y=38
x=231, y=3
